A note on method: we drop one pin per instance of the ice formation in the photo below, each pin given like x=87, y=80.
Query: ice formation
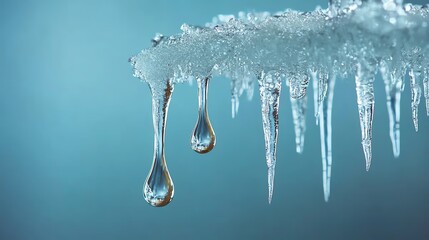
x=349, y=38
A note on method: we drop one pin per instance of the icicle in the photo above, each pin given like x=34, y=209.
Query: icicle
x=234, y=98
x=158, y=189
x=415, y=79
x=298, y=85
x=322, y=87
x=426, y=89
x=394, y=81
x=299, y=108
x=269, y=89
x=315, y=95
x=326, y=138
x=203, y=137
x=365, y=100
x=250, y=88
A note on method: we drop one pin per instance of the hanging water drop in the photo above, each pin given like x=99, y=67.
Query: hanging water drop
x=415, y=79
x=326, y=137
x=365, y=100
x=299, y=108
x=158, y=189
x=203, y=137
x=269, y=89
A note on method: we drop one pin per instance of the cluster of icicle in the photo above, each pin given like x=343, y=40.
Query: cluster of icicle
x=351, y=37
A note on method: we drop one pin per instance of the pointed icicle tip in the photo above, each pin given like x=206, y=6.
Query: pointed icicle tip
x=397, y=146
x=271, y=172
x=326, y=195
x=368, y=153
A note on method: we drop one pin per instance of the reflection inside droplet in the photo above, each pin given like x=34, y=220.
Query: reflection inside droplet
x=203, y=137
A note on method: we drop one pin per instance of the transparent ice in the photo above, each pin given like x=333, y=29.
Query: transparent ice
x=351, y=37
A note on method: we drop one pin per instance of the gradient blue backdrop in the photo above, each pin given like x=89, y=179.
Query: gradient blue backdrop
x=76, y=140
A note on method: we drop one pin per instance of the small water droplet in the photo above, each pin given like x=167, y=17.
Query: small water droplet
x=203, y=137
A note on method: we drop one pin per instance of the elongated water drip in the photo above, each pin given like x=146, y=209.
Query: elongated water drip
x=269, y=89
x=299, y=108
x=416, y=91
x=326, y=137
x=203, y=137
x=158, y=189
x=393, y=81
x=426, y=89
x=365, y=100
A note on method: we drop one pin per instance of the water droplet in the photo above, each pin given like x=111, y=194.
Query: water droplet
x=158, y=189
x=203, y=137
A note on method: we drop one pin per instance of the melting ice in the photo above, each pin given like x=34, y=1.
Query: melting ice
x=351, y=37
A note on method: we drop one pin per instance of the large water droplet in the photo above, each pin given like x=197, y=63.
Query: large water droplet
x=203, y=138
x=158, y=189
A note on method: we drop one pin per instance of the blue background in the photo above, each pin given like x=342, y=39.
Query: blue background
x=76, y=140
